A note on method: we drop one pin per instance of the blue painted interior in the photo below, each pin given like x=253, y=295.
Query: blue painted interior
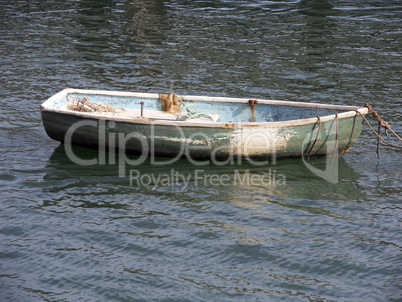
x=228, y=112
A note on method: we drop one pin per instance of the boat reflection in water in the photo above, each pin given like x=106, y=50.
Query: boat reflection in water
x=285, y=183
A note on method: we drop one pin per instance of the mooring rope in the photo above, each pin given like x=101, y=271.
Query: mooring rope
x=316, y=138
x=318, y=133
x=336, y=139
x=381, y=123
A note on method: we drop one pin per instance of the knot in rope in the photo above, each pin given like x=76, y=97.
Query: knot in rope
x=379, y=119
x=381, y=123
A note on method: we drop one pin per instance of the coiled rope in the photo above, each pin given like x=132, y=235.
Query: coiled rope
x=85, y=105
x=191, y=113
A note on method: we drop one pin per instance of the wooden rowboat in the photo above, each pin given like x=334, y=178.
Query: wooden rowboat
x=199, y=126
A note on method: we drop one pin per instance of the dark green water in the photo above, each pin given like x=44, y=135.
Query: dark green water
x=82, y=233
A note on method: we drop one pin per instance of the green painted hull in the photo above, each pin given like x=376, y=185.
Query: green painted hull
x=260, y=142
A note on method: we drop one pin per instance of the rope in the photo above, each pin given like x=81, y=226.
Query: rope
x=381, y=121
x=316, y=138
x=378, y=135
x=191, y=113
x=378, y=140
x=318, y=133
x=84, y=105
x=336, y=139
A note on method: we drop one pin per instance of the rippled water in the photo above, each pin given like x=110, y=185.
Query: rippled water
x=82, y=233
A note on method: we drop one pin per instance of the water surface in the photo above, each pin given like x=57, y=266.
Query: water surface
x=82, y=233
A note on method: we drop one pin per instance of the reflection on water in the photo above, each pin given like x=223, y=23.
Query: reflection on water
x=245, y=184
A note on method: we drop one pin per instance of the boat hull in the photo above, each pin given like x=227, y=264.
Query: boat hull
x=260, y=141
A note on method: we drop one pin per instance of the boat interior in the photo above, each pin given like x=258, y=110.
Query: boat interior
x=173, y=107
